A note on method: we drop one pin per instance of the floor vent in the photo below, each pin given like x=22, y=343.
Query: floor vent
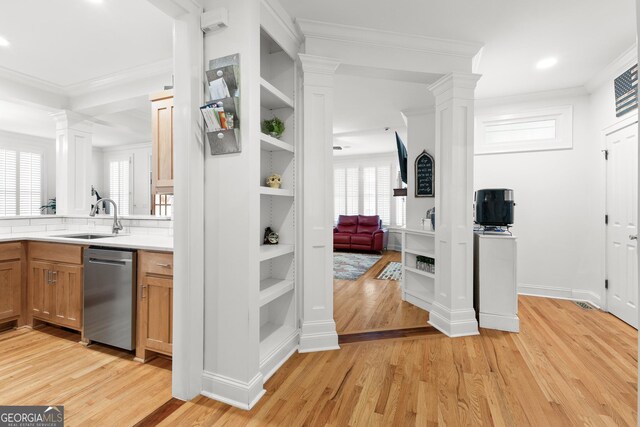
x=584, y=305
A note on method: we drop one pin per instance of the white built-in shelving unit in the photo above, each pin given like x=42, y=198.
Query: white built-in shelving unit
x=278, y=301
x=418, y=286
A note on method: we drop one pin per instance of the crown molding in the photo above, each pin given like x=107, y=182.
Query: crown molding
x=18, y=77
x=25, y=137
x=125, y=147
x=524, y=98
x=164, y=66
x=455, y=80
x=111, y=80
x=614, y=69
x=318, y=64
x=389, y=39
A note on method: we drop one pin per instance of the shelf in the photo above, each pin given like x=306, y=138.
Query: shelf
x=425, y=296
x=420, y=232
x=273, y=251
x=272, y=336
x=423, y=273
x=269, y=143
x=268, y=191
x=270, y=289
x=272, y=98
x=421, y=253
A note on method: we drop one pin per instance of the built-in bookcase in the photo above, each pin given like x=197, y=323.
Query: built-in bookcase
x=418, y=286
x=278, y=324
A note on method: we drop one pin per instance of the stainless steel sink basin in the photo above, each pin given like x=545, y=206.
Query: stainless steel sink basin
x=87, y=236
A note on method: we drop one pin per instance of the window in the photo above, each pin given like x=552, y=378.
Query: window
x=120, y=184
x=363, y=190
x=535, y=130
x=162, y=204
x=20, y=183
x=30, y=183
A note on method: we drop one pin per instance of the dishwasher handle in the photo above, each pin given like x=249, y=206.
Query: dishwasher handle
x=109, y=261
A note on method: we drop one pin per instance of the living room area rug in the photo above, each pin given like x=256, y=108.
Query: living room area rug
x=350, y=266
x=392, y=271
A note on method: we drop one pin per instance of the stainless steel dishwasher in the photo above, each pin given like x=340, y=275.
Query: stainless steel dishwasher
x=109, y=296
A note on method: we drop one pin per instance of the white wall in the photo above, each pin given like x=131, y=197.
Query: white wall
x=559, y=195
x=421, y=135
x=46, y=146
x=139, y=153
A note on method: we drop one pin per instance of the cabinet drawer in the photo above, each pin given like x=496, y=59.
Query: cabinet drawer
x=56, y=252
x=156, y=263
x=9, y=251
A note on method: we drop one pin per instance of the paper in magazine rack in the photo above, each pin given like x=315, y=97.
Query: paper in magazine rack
x=221, y=113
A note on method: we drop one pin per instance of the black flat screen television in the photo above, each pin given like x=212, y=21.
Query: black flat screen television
x=402, y=157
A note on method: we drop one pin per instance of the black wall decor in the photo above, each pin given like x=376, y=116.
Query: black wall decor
x=626, y=90
x=425, y=172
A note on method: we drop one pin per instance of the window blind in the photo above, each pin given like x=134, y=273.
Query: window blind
x=120, y=184
x=8, y=182
x=30, y=183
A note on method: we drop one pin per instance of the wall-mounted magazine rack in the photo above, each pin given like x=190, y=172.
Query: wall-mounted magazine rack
x=221, y=113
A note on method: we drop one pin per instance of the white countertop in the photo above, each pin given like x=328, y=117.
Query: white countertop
x=131, y=241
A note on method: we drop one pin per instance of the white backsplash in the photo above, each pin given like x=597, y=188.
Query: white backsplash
x=149, y=227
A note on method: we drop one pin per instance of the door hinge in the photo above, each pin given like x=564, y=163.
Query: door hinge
x=606, y=154
x=606, y=284
x=606, y=219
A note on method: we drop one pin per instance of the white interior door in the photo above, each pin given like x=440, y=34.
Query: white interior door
x=622, y=230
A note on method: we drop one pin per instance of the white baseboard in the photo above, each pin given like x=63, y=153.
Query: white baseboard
x=394, y=248
x=232, y=392
x=453, y=323
x=560, y=293
x=318, y=336
x=281, y=354
x=501, y=323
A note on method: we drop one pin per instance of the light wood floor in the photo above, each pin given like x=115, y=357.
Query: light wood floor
x=369, y=304
x=567, y=367
x=98, y=386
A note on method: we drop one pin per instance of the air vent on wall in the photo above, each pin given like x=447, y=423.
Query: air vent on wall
x=626, y=88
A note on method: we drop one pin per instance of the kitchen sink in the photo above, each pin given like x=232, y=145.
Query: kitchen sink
x=87, y=236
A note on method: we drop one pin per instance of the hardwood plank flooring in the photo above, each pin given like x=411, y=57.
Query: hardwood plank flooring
x=98, y=386
x=369, y=304
x=567, y=367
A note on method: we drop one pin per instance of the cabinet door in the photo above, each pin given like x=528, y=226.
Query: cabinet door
x=156, y=313
x=41, y=289
x=67, y=296
x=10, y=289
x=162, y=157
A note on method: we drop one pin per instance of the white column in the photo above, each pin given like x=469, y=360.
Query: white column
x=452, y=310
x=188, y=240
x=318, y=327
x=73, y=164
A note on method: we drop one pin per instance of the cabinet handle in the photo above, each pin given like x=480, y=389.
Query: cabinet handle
x=48, y=277
x=163, y=265
x=55, y=277
x=144, y=287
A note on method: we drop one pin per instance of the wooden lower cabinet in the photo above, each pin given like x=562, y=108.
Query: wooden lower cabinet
x=12, y=295
x=155, y=305
x=55, y=288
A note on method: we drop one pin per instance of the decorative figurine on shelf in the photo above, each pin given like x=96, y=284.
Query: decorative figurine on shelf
x=273, y=127
x=274, y=181
x=270, y=237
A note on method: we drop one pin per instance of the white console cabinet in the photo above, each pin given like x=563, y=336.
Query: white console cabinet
x=495, y=281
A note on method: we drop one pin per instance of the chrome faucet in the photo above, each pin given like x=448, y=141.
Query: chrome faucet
x=116, y=224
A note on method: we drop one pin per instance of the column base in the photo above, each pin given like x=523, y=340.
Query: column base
x=233, y=392
x=318, y=336
x=453, y=323
x=502, y=323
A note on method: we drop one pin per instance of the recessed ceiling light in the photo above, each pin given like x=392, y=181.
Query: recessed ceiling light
x=4, y=42
x=546, y=63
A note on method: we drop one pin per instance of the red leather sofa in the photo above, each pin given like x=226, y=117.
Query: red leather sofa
x=359, y=233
